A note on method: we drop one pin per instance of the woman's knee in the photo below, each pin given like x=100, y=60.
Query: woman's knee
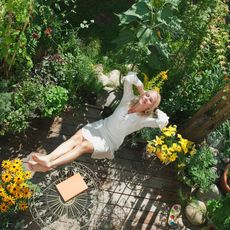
x=87, y=146
x=77, y=137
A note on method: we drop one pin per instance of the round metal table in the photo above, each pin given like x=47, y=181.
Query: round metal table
x=51, y=212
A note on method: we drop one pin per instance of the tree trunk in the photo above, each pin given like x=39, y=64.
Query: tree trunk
x=208, y=117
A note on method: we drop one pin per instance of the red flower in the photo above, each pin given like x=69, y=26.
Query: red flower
x=35, y=36
x=48, y=31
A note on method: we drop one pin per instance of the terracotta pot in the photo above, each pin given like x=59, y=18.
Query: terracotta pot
x=224, y=179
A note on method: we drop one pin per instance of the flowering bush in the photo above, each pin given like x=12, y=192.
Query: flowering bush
x=170, y=146
x=156, y=82
x=15, y=187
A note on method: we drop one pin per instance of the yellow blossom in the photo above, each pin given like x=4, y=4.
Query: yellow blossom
x=2, y=192
x=164, y=75
x=182, y=165
x=4, y=207
x=9, y=199
x=27, y=175
x=193, y=151
x=156, y=89
x=150, y=148
x=173, y=157
x=6, y=164
x=26, y=193
x=23, y=206
x=18, y=178
x=158, y=141
x=164, y=147
x=15, y=168
x=18, y=162
x=6, y=177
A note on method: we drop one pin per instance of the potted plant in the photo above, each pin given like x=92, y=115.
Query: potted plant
x=225, y=179
x=219, y=213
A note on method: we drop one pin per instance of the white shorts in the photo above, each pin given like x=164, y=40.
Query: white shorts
x=93, y=132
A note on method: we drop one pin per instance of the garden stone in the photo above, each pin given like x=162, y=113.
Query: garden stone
x=195, y=212
x=213, y=193
x=114, y=78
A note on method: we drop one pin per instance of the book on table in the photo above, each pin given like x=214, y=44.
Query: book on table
x=71, y=187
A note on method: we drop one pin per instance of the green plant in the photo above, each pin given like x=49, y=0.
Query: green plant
x=24, y=99
x=55, y=100
x=14, y=20
x=146, y=22
x=218, y=212
x=198, y=171
x=71, y=69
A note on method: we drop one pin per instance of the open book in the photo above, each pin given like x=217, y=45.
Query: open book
x=71, y=187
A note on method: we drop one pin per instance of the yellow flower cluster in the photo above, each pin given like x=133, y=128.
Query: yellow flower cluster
x=156, y=82
x=170, y=146
x=14, y=187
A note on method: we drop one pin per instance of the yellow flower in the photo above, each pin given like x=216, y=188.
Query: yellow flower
x=18, y=162
x=156, y=89
x=14, y=189
x=17, y=195
x=23, y=206
x=164, y=147
x=2, y=192
x=146, y=78
x=6, y=177
x=179, y=136
x=173, y=157
x=23, y=185
x=6, y=164
x=3, y=207
x=158, y=141
x=18, y=178
x=178, y=148
x=27, y=175
x=15, y=168
x=150, y=148
x=168, y=134
x=193, y=151
x=158, y=33
x=182, y=165
x=9, y=199
x=26, y=193
x=164, y=75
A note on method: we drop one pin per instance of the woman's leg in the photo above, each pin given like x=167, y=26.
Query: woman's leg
x=63, y=148
x=84, y=147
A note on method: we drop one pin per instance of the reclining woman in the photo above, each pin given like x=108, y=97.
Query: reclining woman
x=102, y=138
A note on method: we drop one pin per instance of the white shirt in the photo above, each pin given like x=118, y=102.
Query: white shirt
x=120, y=124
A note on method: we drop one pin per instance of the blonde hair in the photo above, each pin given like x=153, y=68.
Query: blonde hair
x=149, y=111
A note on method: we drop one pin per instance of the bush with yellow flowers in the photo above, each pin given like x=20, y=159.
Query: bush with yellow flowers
x=171, y=147
x=15, y=187
x=156, y=82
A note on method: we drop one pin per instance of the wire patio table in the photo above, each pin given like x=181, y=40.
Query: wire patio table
x=48, y=209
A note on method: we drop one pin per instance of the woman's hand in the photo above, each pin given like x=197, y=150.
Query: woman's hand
x=140, y=90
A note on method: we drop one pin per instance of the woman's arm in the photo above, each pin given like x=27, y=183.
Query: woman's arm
x=129, y=80
x=159, y=122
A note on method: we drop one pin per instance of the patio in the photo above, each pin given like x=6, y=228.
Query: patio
x=134, y=195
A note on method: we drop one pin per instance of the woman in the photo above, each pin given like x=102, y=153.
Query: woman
x=102, y=138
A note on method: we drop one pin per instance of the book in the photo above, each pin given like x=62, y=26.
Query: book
x=71, y=187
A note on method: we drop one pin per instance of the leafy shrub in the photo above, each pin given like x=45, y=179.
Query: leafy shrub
x=218, y=212
x=55, y=100
x=71, y=69
x=198, y=171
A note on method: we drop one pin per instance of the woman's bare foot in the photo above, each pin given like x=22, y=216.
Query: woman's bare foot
x=36, y=167
x=41, y=160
